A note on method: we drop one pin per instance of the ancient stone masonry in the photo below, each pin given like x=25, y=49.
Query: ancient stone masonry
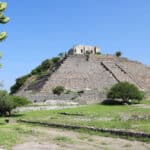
x=78, y=74
x=83, y=49
x=94, y=77
x=119, y=73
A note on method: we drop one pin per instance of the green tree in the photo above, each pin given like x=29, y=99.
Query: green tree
x=9, y=102
x=125, y=91
x=118, y=53
x=20, y=101
x=6, y=104
x=3, y=20
x=19, y=83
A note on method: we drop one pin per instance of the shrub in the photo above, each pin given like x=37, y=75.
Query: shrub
x=6, y=103
x=55, y=59
x=80, y=92
x=19, y=82
x=20, y=101
x=125, y=91
x=118, y=53
x=9, y=102
x=68, y=91
x=36, y=71
x=58, y=90
x=46, y=64
x=45, y=67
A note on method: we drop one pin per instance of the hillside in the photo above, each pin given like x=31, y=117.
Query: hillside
x=85, y=80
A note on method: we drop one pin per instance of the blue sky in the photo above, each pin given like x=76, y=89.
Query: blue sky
x=41, y=29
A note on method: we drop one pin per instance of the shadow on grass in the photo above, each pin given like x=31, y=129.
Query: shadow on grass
x=111, y=102
x=119, y=102
x=2, y=123
x=16, y=115
x=12, y=116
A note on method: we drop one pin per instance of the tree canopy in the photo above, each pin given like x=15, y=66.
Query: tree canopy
x=118, y=53
x=9, y=102
x=125, y=91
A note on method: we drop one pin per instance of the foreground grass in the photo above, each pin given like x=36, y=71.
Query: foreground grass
x=101, y=116
x=11, y=134
x=63, y=139
x=145, y=102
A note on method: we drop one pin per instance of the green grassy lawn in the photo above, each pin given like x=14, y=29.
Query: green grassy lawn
x=126, y=117
x=101, y=116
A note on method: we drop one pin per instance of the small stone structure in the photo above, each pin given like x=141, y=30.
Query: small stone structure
x=83, y=49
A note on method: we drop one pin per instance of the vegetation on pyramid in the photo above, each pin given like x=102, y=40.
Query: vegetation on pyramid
x=47, y=67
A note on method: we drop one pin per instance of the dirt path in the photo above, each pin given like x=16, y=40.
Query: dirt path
x=59, y=139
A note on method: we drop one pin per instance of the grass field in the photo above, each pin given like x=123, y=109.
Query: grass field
x=126, y=117
x=16, y=133
x=102, y=116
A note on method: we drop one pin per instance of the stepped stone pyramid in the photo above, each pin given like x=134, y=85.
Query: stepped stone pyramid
x=93, y=77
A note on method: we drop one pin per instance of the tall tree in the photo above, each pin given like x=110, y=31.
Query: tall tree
x=3, y=20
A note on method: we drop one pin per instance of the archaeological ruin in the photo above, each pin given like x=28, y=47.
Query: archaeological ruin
x=84, y=49
x=85, y=81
